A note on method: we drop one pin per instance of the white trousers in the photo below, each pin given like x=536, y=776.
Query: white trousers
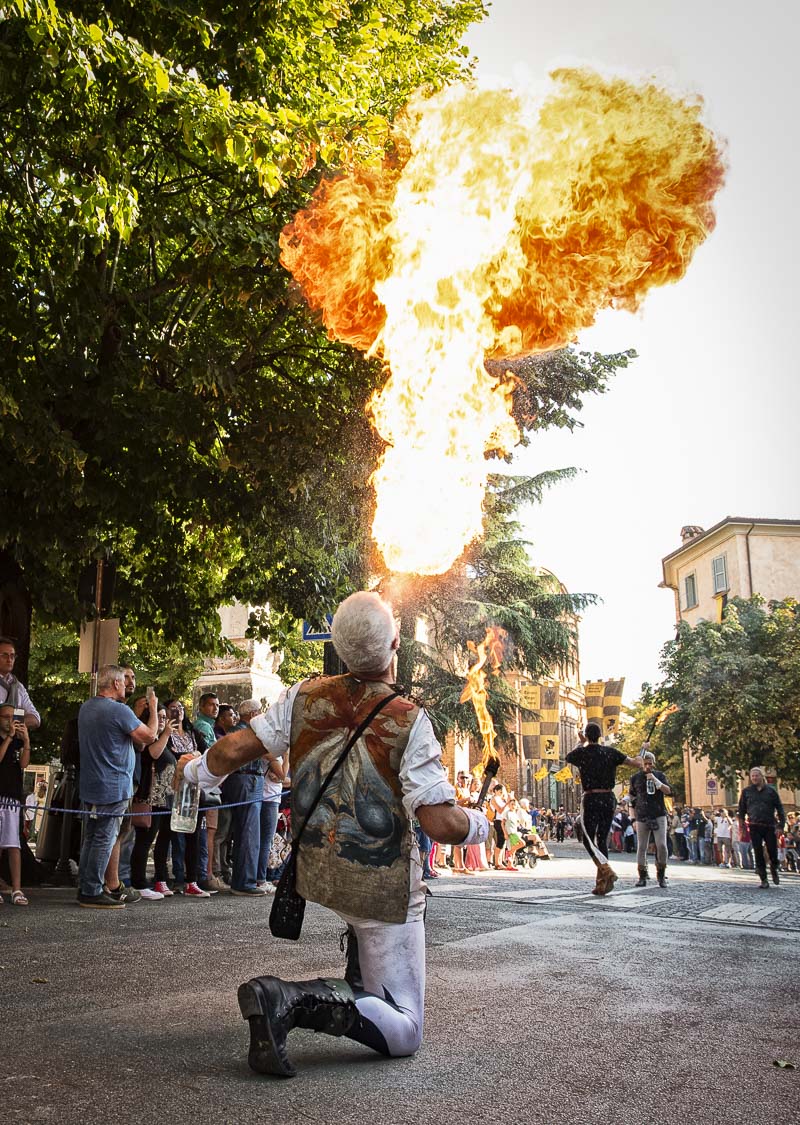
x=392, y=961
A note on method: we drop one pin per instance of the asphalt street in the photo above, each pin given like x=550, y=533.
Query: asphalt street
x=544, y=1004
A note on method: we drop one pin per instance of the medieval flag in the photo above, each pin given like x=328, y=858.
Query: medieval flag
x=548, y=722
x=594, y=702
x=612, y=705
x=530, y=729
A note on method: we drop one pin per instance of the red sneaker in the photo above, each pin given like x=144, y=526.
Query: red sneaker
x=162, y=889
x=193, y=891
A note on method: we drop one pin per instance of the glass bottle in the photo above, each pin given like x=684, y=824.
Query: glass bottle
x=184, y=808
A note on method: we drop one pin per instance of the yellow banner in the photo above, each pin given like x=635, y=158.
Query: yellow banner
x=529, y=695
x=548, y=747
x=540, y=774
x=530, y=740
x=612, y=704
x=564, y=774
x=548, y=708
x=594, y=701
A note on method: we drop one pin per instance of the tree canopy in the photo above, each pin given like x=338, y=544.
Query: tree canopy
x=165, y=397
x=495, y=583
x=736, y=687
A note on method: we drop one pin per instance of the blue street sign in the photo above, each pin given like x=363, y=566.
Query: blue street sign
x=311, y=633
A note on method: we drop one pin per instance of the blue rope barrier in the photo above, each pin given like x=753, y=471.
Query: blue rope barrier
x=153, y=812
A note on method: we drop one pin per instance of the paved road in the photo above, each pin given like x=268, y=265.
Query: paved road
x=544, y=1004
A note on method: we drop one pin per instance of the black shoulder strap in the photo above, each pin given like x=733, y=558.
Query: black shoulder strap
x=362, y=726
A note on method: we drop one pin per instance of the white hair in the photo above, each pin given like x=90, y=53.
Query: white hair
x=363, y=632
x=249, y=707
x=648, y=756
x=109, y=673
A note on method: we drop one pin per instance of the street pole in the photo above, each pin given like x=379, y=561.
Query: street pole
x=98, y=601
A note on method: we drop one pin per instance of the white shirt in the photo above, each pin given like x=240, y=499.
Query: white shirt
x=422, y=775
x=723, y=828
x=31, y=805
x=10, y=686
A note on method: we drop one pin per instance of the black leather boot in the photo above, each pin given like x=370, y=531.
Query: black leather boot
x=273, y=1007
x=661, y=873
x=773, y=870
x=642, y=877
x=352, y=970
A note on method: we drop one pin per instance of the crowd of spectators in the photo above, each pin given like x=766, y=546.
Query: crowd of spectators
x=129, y=748
x=229, y=849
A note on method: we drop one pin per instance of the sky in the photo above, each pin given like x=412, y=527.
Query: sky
x=704, y=423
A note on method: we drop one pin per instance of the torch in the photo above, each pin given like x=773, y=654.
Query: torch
x=490, y=651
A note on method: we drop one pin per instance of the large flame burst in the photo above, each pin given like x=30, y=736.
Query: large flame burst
x=489, y=651
x=501, y=225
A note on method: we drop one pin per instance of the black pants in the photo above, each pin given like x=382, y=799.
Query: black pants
x=598, y=812
x=158, y=831
x=760, y=835
x=560, y=833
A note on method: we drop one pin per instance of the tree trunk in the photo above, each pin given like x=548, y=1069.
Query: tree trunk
x=15, y=612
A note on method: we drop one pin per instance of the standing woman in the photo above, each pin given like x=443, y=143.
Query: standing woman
x=15, y=753
x=475, y=854
x=270, y=807
x=462, y=799
x=497, y=803
x=184, y=739
x=158, y=768
x=598, y=769
x=511, y=824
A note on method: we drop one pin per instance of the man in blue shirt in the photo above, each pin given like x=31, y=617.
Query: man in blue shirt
x=107, y=729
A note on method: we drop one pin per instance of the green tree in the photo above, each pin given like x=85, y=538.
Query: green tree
x=736, y=686
x=494, y=583
x=58, y=688
x=164, y=395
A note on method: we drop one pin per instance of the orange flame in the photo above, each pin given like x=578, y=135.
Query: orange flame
x=489, y=651
x=503, y=224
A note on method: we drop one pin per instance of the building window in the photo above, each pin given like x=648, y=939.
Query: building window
x=690, y=591
x=719, y=569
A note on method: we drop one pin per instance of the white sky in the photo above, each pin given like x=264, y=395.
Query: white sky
x=705, y=423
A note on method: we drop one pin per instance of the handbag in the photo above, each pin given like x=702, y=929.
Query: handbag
x=288, y=905
x=141, y=814
x=278, y=852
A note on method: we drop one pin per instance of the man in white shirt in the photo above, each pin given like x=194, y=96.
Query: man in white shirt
x=11, y=690
x=358, y=854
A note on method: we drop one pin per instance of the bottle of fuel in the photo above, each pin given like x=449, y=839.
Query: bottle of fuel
x=184, y=807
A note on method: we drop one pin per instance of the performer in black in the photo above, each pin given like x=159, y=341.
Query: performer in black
x=648, y=787
x=762, y=806
x=598, y=769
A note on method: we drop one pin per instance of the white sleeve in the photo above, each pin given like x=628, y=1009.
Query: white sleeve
x=24, y=701
x=274, y=729
x=422, y=774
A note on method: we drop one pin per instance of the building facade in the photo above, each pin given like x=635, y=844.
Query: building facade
x=736, y=558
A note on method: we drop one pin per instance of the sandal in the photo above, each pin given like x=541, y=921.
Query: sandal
x=18, y=899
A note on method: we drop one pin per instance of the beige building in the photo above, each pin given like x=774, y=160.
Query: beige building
x=735, y=558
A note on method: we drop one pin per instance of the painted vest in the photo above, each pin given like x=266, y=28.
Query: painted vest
x=354, y=856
